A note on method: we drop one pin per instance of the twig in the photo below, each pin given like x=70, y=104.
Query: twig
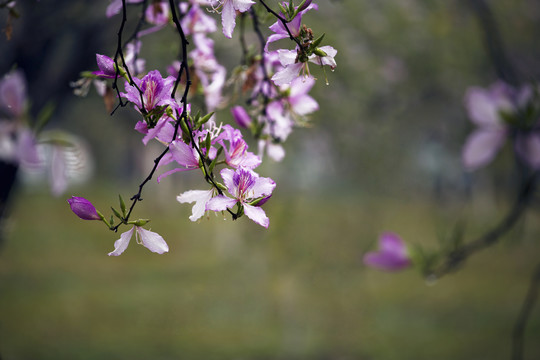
x=458, y=256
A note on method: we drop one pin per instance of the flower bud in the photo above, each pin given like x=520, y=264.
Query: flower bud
x=106, y=67
x=83, y=208
x=241, y=116
x=303, y=6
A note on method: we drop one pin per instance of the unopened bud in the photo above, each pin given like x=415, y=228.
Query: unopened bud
x=241, y=116
x=319, y=52
x=303, y=6
x=83, y=208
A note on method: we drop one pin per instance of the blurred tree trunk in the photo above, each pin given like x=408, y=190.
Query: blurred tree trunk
x=7, y=183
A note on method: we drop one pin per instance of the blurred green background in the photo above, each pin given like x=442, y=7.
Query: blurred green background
x=382, y=154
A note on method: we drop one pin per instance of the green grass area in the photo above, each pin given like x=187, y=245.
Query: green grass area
x=232, y=290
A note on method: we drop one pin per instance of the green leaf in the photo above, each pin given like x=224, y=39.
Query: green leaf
x=317, y=41
x=204, y=119
x=117, y=214
x=122, y=205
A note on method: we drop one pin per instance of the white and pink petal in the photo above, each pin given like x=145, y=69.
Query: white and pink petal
x=121, y=244
x=152, y=241
x=200, y=198
x=256, y=214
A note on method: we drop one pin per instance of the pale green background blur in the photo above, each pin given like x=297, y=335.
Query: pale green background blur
x=382, y=154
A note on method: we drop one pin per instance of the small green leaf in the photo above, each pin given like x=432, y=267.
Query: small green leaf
x=317, y=41
x=208, y=143
x=117, y=214
x=44, y=116
x=205, y=119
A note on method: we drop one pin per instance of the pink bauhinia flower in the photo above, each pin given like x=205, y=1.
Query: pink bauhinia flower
x=248, y=190
x=294, y=25
x=392, y=254
x=484, y=107
x=157, y=13
x=211, y=74
x=151, y=240
x=498, y=112
x=156, y=91
x=236, y=154
x=196, y=20
x=293, y=68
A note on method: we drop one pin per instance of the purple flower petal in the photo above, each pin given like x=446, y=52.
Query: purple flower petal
x=13, y=93
x=262, y=187
x=106, y=67
x=481, y=147
x=27, y=149
x=303, y=104
x=392, y=254
x=483, y=105
x=184, y=155
x=241, y=116
x=227, y=175
x=287, y=74
x=228, y=18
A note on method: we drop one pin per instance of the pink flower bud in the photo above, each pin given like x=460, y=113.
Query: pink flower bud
x=304, y=6
x=106, y=67
x=83, y=208
x=241, y=116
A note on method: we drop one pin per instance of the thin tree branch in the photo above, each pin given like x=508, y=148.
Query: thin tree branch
x=524, y=315
x=493, y=41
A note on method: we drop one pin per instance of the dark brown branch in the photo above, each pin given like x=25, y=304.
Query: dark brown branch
x=120, y=53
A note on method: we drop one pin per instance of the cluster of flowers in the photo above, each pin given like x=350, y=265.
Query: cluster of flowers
x=503, y=112
x=277, y=81
x=23, y=144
